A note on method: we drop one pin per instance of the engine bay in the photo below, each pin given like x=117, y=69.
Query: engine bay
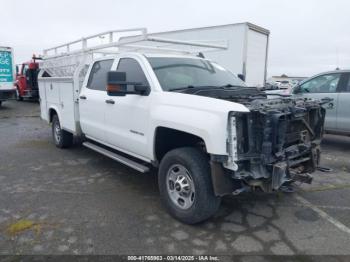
x=277, y=142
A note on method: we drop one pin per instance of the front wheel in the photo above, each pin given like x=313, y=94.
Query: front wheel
x=62, y=138
x=185, y=185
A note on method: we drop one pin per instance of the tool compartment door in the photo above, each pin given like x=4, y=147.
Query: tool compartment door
x=66, y=105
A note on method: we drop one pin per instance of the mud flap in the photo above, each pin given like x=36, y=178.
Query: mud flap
x=222, y=183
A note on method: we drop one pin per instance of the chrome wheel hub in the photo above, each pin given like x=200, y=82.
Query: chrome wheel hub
x=180, y=186
x=57, y=132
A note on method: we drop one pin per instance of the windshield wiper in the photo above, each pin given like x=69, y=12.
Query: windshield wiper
x=229, y=86
x=181, y=88
x=207, y=86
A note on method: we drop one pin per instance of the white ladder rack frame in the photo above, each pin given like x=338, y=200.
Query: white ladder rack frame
x=84, y=40
x=64, y=63
x=128, y=42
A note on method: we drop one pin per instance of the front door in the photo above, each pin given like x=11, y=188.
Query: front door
x=343, y=112
x=92, y=101
x=127, y=117
x=323, y=86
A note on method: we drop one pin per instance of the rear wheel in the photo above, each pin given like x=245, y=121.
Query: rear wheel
x=185, y=185
x=62, y=138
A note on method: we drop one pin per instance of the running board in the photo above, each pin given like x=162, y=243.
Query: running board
x=128, y=162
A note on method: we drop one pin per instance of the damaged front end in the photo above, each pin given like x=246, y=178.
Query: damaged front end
x=270, y=147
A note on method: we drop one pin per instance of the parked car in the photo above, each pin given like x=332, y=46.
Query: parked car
x=206, y=132
x=281, y=89
x=270, y=86
x=285, y=84
x=334, y=85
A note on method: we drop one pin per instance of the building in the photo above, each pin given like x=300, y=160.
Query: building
x=284, y=77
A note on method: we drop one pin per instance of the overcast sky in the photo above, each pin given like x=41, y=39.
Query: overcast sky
x=307, y=36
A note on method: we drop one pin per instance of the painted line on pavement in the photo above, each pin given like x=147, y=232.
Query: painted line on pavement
x=323, y=214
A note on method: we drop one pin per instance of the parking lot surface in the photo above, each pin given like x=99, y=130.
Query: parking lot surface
x=76, y=201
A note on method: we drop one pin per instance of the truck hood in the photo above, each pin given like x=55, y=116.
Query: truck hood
x=202, y=103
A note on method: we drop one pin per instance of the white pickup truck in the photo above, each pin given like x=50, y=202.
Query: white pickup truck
x=206, y=132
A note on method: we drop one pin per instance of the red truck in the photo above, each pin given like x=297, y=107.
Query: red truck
x=27, y=80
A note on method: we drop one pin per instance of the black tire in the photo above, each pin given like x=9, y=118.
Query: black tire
x=205, y=204
x=18, y=97
x=61, y=138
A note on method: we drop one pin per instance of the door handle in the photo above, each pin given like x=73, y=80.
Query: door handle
x=82, y=97
x=330, y=106
x=110, y=101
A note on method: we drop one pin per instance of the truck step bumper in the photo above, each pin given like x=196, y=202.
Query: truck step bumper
x=128, y=162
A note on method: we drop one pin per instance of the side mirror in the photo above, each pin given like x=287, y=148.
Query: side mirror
x=17, y=70
x=241, y=76
x=296, y=90
x=118, y=86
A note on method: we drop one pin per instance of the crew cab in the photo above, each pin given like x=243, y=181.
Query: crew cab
x=200, y=126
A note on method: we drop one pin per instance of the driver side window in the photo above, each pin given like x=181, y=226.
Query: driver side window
x=24, y=69
x=321, y=84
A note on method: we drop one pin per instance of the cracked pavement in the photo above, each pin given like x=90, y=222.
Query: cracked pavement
x=77, y=201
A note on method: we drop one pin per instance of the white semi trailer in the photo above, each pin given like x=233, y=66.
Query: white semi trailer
x=7, y=71
x=246, y=53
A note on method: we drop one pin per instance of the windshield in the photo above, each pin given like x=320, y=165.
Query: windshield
x=179, y=73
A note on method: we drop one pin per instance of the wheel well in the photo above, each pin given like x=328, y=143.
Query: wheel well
x=52, y=112
x=167, y=139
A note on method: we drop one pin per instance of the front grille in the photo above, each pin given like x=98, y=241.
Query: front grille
x=269, y=135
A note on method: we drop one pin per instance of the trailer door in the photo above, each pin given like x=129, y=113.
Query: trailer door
x=6, y=69
x=255, y=67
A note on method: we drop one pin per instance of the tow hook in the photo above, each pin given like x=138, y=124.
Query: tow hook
x=241, y=190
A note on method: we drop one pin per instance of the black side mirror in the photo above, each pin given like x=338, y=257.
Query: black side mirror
x=241, y=76
x=17, y=70
x=296, y=90
x=142, y=90
x=118, y=86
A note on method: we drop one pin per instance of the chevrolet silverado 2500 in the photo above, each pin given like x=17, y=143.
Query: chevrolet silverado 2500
x=206, y=132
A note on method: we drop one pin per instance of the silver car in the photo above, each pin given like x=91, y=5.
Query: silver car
x=334, y=85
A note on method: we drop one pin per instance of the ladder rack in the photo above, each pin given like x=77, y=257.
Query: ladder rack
x=62, y=60
x=84, y=42
x=135, y=42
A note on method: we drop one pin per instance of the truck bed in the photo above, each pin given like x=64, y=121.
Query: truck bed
x=58, y=93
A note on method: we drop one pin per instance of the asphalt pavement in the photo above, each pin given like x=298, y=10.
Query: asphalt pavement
x=76, y=201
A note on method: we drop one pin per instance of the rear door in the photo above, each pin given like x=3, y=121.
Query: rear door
x=256, y=57
x=323, y=86
x=92, y=105
x=343, y=112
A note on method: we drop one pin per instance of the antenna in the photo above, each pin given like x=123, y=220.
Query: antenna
x=337, y=58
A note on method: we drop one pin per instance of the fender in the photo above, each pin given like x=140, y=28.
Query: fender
x=204, y=117
x=55, y=108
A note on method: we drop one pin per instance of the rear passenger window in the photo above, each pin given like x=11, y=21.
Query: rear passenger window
x=133, y=70
x=98, y=75
x=348, y=84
